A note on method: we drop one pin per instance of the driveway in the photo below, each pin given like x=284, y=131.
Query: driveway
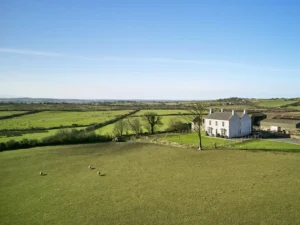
x=286, y=140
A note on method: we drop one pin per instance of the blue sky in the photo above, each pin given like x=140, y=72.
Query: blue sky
x=149, y=49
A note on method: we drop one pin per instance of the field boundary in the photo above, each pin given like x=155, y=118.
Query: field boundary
x=19, y=114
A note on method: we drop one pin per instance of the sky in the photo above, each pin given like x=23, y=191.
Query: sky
x=178, y=50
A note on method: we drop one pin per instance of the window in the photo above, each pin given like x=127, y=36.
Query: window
x=209, y=130
x=223, y=132
x=216, y=123
x=210, y=122
x=223, y=124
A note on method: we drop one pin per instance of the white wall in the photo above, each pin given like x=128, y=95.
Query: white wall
x=246, y=125
x=218, y=127
x=234, y=126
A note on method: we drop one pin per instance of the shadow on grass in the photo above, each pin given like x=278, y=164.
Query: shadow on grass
x=103, y=175
x=44, y=174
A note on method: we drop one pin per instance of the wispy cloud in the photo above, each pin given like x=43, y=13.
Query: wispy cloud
x=154, y=60
x=28, y=52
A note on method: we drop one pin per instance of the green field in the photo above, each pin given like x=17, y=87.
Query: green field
x=273, y=103
x=267, y=145
x=37, y=135
x=9, y=113
x=294, y=107
x=192, y=139
x=49, y=119
x=165, y=120
x=161, y=112
x=148, y=184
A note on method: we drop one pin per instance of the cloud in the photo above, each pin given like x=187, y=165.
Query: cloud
x=28, y=52
x=146, y=60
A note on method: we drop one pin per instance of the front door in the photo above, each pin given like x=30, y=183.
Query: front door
x=216, y=132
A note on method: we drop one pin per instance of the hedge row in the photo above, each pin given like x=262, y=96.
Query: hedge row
x=61, y=137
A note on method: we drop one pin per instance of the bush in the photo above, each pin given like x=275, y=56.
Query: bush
x=178, y=126
x=61, y=137
x=3, y=146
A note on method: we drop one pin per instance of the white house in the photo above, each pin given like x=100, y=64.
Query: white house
x=229, y=124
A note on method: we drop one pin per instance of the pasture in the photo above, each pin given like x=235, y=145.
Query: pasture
x=207, y=142
x=273, y=103
x=165, y=120
x=148, y=184
x=9, y=113
x=162, y=111
x=50, y=119
x=34, y=135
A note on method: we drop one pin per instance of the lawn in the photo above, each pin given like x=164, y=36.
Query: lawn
x=148, y=184
x=9, y=113
x=49, y=119
x=192, y=139
x=257, y=144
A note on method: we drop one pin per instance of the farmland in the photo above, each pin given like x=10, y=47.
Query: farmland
x=192, y=139
x=50, y=119
x=34, y=135
x=165, y=124
x=273, y=103
x=9, y=113
x=162, y=112
x=148, y=184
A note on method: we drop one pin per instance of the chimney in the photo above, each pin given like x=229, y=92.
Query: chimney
x=245, y=111
x=222, y=110
x=233, y=112
x=211, y=111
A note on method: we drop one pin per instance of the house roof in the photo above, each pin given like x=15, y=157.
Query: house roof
x=281, y=121
x=220, y=116
x=223, y=115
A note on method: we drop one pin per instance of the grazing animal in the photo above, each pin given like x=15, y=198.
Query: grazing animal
x=98, y=173
x=90, y=167
x=41, y=173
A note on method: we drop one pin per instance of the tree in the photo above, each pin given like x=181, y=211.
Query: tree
x=177, y=125
x=196, y=112
x=135, y=125
x=120, y=128
x=153, y=120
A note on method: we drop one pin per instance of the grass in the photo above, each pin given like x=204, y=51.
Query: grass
x=9, y=113
x=273, y=103
x=257, y=144
x=294, y=107
x=59, y=118
x=148, y=184
x=165, y=120
x=192, y=139
x=267, y=145
x=37, y=135
x=161, y=111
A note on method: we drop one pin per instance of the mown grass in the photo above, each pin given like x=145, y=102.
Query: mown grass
x=9, y=113
x=208, y=142
x=148, y=184
x=49, y=119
